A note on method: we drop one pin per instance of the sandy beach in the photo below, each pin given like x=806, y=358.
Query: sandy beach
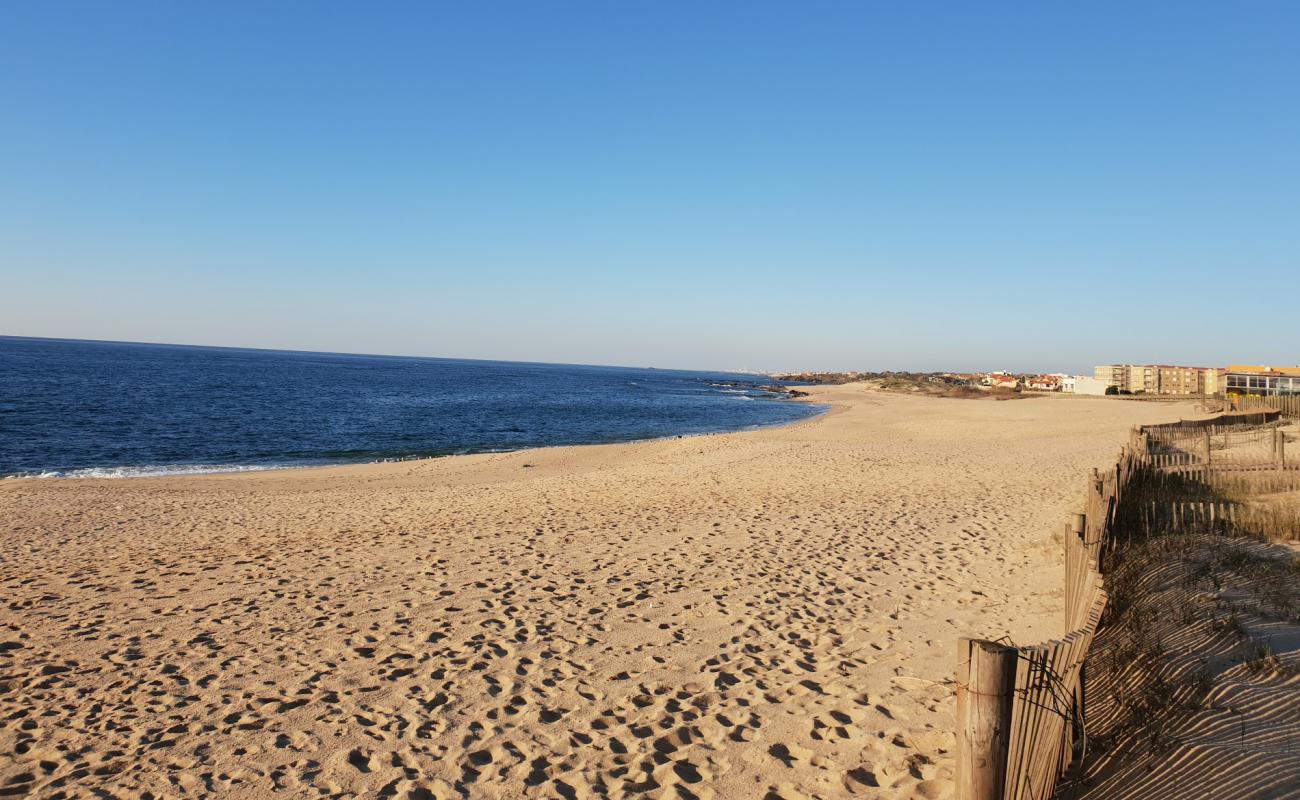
x=766, y=613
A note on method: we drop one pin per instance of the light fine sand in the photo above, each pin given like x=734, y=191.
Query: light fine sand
x=768, y=613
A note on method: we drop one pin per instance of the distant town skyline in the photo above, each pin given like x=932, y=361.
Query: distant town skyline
x=817, y=186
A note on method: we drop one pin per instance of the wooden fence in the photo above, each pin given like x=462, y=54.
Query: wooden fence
x=1197, y=452
x=1020, y=709
x=1231, y=420
x=1288, y=405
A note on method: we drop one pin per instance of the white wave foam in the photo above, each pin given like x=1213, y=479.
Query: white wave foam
x=151, y=471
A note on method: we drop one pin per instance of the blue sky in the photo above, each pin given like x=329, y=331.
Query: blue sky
x=772, y=185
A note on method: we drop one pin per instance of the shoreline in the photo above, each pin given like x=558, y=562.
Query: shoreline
x=763, y=611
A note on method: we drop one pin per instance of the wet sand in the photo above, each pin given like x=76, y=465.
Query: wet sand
x=770, y=612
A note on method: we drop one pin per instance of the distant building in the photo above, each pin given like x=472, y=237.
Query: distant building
x=1159, y=378
x=1259, y=381
x=1143, y=379
x=1112, y=374
x=1215, y=380
x=1002, y=380
x=1083, y=384
x=1131, y=378
x=1180, y=380
x=1043, y=383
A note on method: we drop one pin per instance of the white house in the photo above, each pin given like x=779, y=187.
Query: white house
x=1083, y=384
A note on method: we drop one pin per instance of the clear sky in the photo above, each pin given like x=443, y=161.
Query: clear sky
x=1028, y=186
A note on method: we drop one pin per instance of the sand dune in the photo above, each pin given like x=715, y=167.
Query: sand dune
x=769, y=613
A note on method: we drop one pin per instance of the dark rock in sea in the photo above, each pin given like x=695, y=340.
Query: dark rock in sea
x=776, y=388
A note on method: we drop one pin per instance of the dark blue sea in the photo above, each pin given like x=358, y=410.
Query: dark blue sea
x=109, y=409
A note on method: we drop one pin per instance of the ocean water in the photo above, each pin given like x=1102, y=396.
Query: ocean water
x=108, y=409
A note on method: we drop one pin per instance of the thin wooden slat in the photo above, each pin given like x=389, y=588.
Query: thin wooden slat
x=1062, y=698
x=1018, y=744
x=1022, y=717
x=1043, y=759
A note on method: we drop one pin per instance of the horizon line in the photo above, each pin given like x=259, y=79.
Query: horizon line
x=375, y=355
x=291, y=350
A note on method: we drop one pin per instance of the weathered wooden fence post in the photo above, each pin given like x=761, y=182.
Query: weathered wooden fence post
x=986, y=678
x=1279, y=446
x=1076, y=563
x=1207, y=445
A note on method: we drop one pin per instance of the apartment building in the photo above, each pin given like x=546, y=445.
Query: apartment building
x=1112, y=374
x=1143, y=378
x=1180, y=380
x=1215, y=380
x=1159, y=378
